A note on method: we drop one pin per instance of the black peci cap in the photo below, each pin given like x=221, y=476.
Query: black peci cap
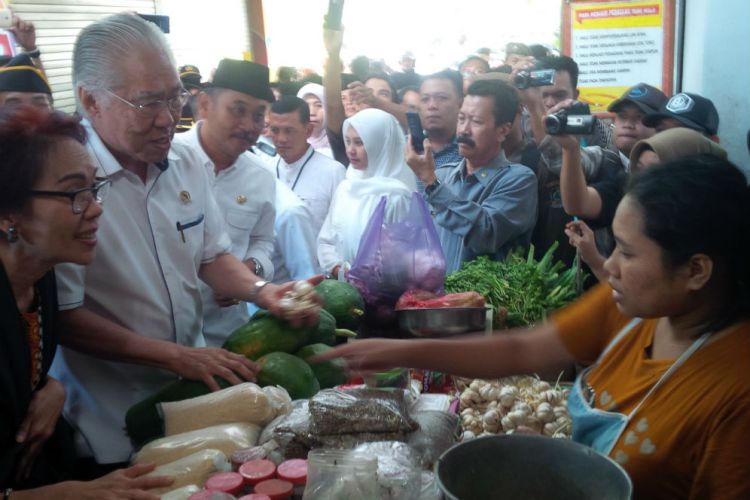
x=243, y=76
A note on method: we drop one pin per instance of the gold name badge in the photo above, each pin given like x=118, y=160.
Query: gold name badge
x=241, y=199
x=184, y=197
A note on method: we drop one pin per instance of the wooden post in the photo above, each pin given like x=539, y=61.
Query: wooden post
x=257, y=31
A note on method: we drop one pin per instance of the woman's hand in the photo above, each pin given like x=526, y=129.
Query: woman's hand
x=366, y=355
x=39, y=424
x=581, y=236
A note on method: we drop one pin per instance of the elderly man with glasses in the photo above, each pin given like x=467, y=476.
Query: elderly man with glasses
x=133, y=318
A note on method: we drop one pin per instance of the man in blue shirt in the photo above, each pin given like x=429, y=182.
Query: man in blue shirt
x=440, y=97
x=483, y=205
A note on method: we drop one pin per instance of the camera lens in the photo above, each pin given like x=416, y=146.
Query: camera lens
x=553, y=124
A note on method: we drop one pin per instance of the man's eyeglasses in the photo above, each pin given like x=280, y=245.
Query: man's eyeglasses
x=152, y=108
x=80, y=199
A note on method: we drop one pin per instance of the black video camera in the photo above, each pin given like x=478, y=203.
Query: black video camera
x=575, y=120
x=536, y=78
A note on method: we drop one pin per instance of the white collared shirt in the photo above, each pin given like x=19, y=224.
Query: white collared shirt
x=295, y=257
x=245, y=193
x=145, y=278
x=315, y=184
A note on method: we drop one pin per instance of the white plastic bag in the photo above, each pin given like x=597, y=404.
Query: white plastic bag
x=192, y=469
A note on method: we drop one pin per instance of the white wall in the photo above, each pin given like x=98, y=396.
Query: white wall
x=717, y=66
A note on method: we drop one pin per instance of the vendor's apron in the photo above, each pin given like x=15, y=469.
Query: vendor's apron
x=600, y=429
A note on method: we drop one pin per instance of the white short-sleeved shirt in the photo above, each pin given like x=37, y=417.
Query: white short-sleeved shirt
x=245, y=193
x=152, y=240
x=295, y=256
x=314, y=178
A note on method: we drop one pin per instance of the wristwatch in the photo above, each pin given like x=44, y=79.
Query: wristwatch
x=429, y=189
x=255, y=290
x=258, y=267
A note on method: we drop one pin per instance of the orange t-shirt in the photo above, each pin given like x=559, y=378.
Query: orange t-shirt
x=691, y=438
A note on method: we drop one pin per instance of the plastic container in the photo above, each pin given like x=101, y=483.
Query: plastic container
x=210, y=495
x=255, y=496
x=294, y=471
x=227, y=482
x=527, y=466
x=276, y=489
x=255, y=471
x=341, y=473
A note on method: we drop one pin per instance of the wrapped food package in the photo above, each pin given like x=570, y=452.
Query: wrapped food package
x=244, y=402
x=438, y=431
x=279, y=399
x=399, y=472
x=181, y=493
x=291, y=432
x=349, y=411
x=192, y=469
x=226, y=438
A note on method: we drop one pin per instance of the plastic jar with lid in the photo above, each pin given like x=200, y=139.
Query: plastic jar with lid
x=294, y=471
x=256, y=471
x=341, y=474
x=277, y=489
x=227, y=482
x=210, y=495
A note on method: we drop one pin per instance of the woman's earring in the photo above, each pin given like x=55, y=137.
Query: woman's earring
x=12, y=234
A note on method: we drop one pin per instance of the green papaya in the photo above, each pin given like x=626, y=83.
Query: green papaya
x=343, y=301
x=143, y=421
x=265, y=334
x=329, y=373
x=288, y=371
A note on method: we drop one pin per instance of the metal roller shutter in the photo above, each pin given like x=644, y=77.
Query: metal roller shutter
x=57, y=25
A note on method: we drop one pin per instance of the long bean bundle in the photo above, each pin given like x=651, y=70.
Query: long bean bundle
x=528, y=289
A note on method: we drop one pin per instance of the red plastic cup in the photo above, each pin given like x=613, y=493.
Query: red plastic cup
x=256, y=471
x=277, y=489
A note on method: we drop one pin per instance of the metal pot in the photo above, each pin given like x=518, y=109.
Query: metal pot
x=529, y=467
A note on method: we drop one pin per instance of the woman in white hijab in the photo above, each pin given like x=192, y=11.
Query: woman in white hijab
x=314, y=96
x=375, y=148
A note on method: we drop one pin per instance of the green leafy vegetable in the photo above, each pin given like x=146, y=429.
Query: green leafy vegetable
x=526, y=288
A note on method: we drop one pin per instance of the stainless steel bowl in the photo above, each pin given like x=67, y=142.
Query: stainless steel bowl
x=442, y=322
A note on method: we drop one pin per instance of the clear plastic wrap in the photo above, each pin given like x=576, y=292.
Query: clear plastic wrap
x=430, y=489
x=279, y=399
x=192, y=469
x=349, y=411
x=350, y=441
x=399, y=473
x=227, y=438
x=438, y=431
x=341, y=475
x=265, y=451
x=291, y=432
x=181, y=493
x=244, y=402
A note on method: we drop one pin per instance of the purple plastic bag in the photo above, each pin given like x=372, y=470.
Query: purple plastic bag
x=396, y=257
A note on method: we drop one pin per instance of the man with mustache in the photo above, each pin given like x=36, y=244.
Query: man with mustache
x=232, y=110
x=483, y=205
x=133, y=318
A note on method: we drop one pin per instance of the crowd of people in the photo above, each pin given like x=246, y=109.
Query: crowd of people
x=129, y=252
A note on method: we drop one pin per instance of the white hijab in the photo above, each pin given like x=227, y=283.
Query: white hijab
x=321, y=139
x=386, y=175
x=384, y=143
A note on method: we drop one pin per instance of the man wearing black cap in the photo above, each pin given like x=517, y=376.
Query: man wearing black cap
x=190, y=76
x=686, y=110
x=23, y=83
x=232, y=110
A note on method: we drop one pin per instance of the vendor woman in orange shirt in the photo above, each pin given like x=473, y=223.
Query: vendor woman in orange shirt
x=667, y=392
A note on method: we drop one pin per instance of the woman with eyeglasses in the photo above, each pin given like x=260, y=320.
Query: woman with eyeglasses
x=50, y=203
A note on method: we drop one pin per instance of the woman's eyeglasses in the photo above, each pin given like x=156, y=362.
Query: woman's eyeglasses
x=80, y=199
